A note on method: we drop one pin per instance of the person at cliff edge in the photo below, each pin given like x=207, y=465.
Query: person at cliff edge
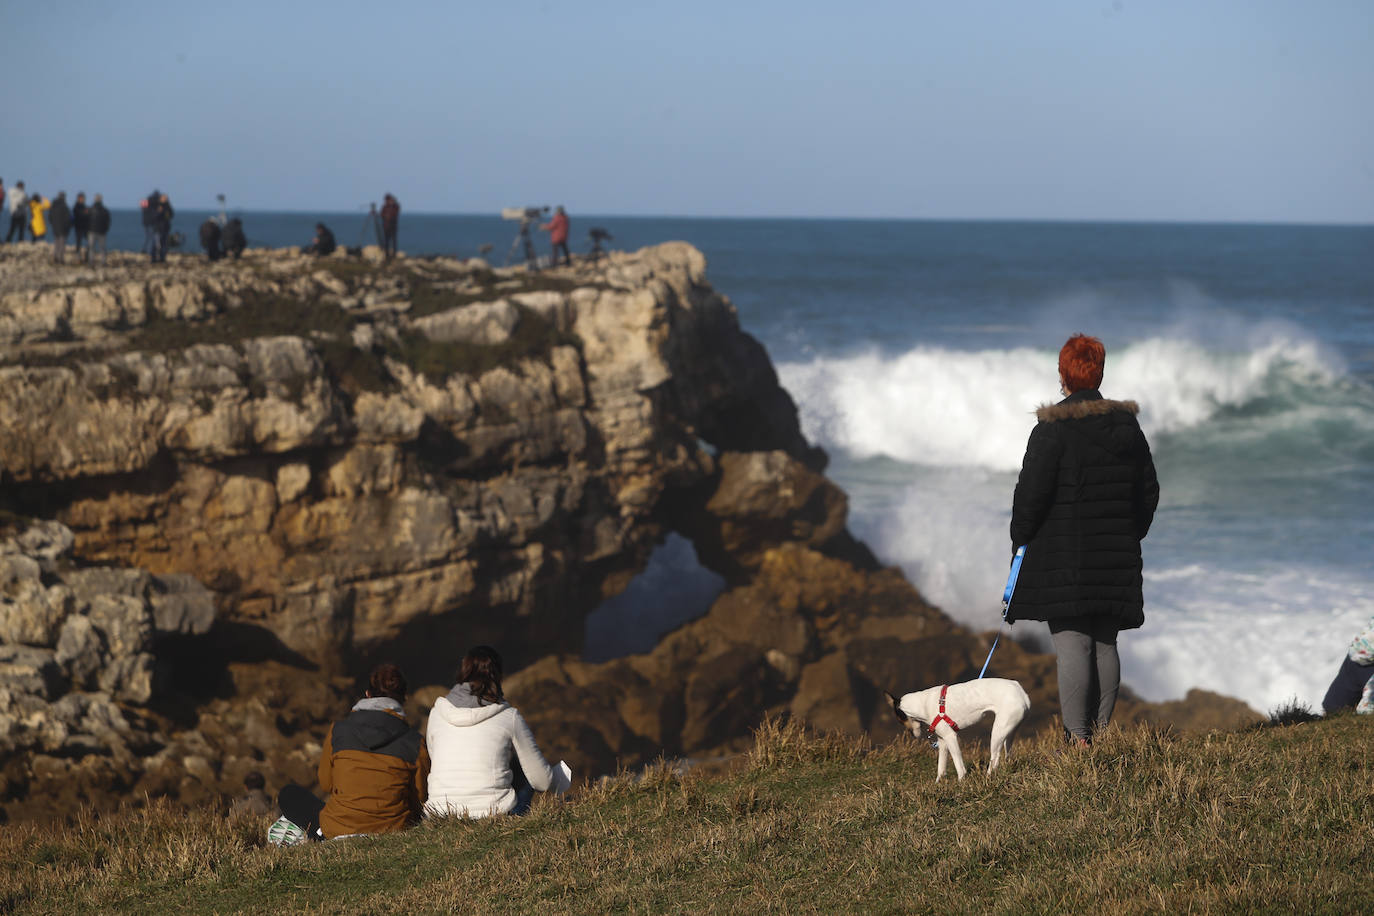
x=100, y=227
x=81, y=224
x=323, y=243
x=162, y=227
x=18, y=201
x=60, y=219
x=210, y=237
x=391, y=218
x=234, y=239
x=373, y=764
x=557, y=228
x=1085, y=499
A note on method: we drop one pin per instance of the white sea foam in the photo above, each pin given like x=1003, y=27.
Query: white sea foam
x=955, y=408
x=1268, y=637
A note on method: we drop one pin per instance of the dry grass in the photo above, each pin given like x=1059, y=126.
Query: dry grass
x=1267, y=820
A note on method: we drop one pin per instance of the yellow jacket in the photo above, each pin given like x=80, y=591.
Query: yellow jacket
x=38, y=217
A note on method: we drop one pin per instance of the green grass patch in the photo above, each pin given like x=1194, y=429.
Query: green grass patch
x=1263, y=820
x=534, y=337
x=259, y=315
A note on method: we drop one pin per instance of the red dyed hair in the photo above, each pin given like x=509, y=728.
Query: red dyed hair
x=1080, y=362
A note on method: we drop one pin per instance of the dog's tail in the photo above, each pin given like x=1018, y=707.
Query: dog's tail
x=896, y=706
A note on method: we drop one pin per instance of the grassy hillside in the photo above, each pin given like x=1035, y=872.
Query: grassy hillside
x=1275, y=819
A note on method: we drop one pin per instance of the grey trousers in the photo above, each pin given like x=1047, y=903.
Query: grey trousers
x=1089, y=672
x=96, y=240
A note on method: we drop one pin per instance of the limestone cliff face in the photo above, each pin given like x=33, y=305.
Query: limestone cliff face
x=349, y=500
x=360, y=462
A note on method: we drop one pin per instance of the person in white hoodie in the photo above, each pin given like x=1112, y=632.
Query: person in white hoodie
x=480, y=747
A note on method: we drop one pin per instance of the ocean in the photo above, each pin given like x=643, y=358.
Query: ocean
x=918, y=351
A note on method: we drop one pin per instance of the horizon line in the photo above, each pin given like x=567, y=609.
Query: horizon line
x=1058, y=220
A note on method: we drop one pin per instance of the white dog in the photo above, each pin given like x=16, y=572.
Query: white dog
x=946, y=709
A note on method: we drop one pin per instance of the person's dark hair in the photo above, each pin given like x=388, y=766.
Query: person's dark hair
x=253, y=780
x=388, y=681
x=481, y=670
x=1080, y=362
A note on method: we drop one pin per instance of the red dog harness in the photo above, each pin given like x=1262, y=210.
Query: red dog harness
x=942, y=717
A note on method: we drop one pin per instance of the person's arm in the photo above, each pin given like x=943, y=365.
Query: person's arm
x=327, y=762
x=537, y=770
x=421, y=787
x=1147, y=497
x=1034, y=495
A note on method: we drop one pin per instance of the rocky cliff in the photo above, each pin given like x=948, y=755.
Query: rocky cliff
x=327, y=462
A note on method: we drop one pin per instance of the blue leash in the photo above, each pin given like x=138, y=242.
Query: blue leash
x=1006, y=601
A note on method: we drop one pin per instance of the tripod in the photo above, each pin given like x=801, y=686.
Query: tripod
x=523, y=237
x=374, y=222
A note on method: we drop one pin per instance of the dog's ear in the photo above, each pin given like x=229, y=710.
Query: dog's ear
x=896, y=707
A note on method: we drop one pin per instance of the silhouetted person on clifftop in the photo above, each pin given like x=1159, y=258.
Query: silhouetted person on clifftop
x=323, y=243
x=100, y=227
x=391, y=218
x=210, y=239
x=234, y=239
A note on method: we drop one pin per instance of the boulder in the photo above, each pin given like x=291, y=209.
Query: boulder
x=181, y=605
x=480, y=323
x=30, y=613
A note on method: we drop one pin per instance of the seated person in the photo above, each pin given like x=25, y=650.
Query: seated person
x=210, y=239
x=234, y=239
x=255, y=800
x=323, y=242
x=373, y=765
x=479, y=743
x=1354, y=681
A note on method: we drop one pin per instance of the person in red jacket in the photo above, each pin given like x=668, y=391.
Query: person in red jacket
x=557, y=228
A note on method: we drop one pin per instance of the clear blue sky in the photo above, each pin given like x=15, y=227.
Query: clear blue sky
x=1128, y=110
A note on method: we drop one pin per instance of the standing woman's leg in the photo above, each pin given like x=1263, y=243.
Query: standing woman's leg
x=1073, y=648
x=1104, y=630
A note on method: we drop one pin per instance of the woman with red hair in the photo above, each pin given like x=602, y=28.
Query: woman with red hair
x=1085, y=498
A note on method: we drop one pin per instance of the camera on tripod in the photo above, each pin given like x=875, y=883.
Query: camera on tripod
x=527, y=217
x=523, y=214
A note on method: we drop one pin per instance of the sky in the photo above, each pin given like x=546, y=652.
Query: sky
x=1173, y=110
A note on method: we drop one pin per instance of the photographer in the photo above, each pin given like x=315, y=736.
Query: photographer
x=557, y=228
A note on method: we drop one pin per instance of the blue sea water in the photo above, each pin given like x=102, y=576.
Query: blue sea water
x=917, y=352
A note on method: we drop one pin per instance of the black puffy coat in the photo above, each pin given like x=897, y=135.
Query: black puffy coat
x=1085, y=498
x=60, y=217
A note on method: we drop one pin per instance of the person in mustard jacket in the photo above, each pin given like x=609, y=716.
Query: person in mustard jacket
x=38, y=216
x=374, y=767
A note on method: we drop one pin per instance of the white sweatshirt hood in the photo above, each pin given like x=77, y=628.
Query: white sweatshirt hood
x=464, y=716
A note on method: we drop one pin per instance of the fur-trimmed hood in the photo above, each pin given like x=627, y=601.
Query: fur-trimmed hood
x=1070, y=409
